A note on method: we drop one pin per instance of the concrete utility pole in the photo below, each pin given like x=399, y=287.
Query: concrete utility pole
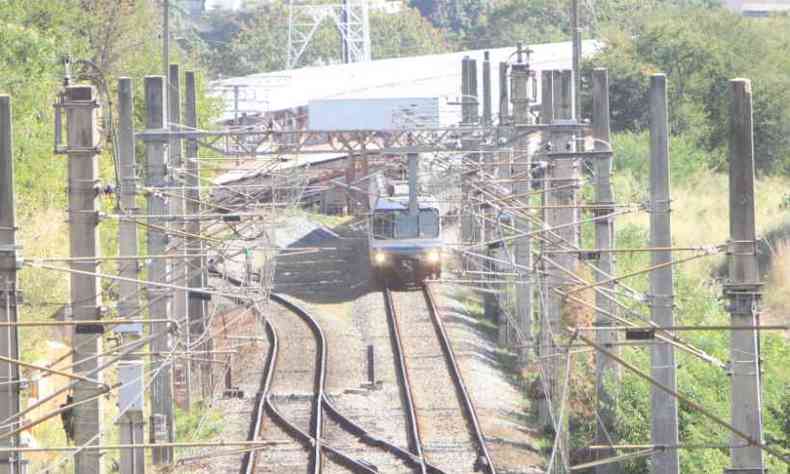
x=607, y=371
x=466, y=215
x=490, y=300
x=576, y=33
x=743, y=289
x=522, y=171
x=161, y=392
x=664, y=408
x=561, y=187
x=412, y=163
x=546, y=97
x=10, y=463
x=177, y=244
x=474, y=102
x=165, y=36
x=486, y=89
x=80, y=106
x=504, y=102
x=543, y=339
x=504, y=172
x=469, y=116
x=195, y=267
x=351, y=178
x=130, y=368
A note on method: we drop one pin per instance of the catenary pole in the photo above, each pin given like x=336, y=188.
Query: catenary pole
x=743, y=288
x=664, y=409
x=546, y=97
x=607, y=371
x=130, y=368
x=490, y=309
x=466, y=214
x=544, y=337
x=469, y=117
x=162, y=428
x=486, y=89
x=504, y=172
x=504, y=102
x=577, y=57
x=80, y=106
x=181, y=372
x=10, y=463
x=195, y=266
x=522, y=169
x=165, y=38
x=562, y=188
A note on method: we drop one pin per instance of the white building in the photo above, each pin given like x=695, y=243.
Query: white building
x=436, y=76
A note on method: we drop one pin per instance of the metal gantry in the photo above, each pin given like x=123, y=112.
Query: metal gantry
x=349, y=17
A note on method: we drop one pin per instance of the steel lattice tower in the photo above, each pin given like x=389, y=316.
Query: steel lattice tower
x=350, y=18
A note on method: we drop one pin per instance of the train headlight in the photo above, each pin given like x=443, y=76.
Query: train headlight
x=434, y=256
x=379, y=258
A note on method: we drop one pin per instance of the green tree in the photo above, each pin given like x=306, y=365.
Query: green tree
x=405, y=33
x=529, y=21
x=257, y=42
x=461, y=18
x=540, y=21
x=700, y=51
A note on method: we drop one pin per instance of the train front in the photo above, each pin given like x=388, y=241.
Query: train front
x=405, y=245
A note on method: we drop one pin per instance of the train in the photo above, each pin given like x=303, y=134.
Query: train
x=405, y=242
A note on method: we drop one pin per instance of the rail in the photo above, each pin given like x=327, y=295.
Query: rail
x=250, y=458
x=405, y=383
x=485, y=458
x=263, y=402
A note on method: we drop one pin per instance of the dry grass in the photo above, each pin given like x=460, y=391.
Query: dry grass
x=46, y=234
x=777, y=294
x=700, y=211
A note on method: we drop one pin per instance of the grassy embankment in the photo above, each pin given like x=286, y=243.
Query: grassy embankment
x=700, y=217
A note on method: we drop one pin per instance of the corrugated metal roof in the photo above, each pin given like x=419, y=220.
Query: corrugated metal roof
x=437, y=75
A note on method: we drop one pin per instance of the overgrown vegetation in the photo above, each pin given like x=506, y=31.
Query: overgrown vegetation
x=698, y=219
x=105, y=39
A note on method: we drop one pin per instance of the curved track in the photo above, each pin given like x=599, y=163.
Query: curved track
x=445, y=430
x=265, y=405
x=444, y=433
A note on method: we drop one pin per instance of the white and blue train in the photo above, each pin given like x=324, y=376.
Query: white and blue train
x=405, y=242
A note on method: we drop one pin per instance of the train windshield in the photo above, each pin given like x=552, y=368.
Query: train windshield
x=397, y=224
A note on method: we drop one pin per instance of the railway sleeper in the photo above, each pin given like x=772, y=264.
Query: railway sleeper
x=369, y=439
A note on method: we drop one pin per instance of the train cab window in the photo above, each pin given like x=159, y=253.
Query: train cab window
x=383, y=225
x=429, y=223
x=407, y=226
x=401, y=225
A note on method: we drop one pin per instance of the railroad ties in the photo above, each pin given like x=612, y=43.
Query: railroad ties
x=449, y=438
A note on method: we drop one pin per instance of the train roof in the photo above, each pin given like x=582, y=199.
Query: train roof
x=401, y=203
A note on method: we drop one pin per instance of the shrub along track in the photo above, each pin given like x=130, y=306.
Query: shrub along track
x=446, y=434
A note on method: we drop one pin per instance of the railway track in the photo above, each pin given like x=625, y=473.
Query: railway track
x=297, y=411
x=445, y=433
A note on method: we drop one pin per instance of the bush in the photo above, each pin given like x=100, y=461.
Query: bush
x=632, y=156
